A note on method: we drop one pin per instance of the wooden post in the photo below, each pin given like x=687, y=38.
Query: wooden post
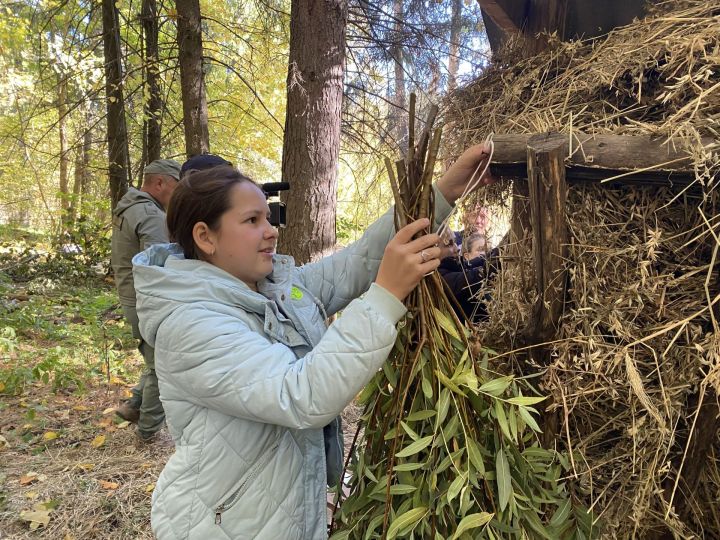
x=547, y=191
x=548, y=194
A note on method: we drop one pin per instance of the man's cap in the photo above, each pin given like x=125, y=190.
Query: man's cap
x=202, y=162
x=169, y=167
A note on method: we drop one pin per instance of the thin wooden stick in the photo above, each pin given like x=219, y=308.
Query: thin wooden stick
x=400, y=220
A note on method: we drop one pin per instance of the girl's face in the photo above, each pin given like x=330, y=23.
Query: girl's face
x=244, y=243
x=477, y=248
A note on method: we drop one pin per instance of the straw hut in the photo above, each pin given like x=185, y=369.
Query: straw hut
x=609, y=292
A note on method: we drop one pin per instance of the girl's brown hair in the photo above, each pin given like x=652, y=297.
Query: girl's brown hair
x=200, y=196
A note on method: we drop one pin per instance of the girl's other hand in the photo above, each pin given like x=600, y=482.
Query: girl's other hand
x=406, y=261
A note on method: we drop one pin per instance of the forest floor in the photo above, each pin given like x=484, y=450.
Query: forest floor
x=69, y=467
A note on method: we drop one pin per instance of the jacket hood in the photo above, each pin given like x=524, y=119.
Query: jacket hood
x=165, y=280
x=133, y=197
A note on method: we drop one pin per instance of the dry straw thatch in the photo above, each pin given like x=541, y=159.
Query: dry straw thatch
x=637, y=346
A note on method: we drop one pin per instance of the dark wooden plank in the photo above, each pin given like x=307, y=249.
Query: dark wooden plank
x=640, y=159
x=498, y=16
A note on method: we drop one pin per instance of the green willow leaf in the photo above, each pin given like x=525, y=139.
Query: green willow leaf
x=455, y=488
x=561, y=515
x=447, y=383
x=502, y=420
x=534, y=521
x=405, y=522
x=367, y=393
x=420, y=415
x=401, y=489
x=503, y=479
x=390, y=373
x=415, y=447
x=497, y=386
x=446, y=323
x=529, y=420
x=475, y=456
x=473, y=521
x=443, y=406
x=427, y=387
x=414, y=436
x=525, y=400
x=404, y=467
x=373, y=524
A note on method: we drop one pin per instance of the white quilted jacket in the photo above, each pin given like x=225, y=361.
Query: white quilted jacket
x=249, y=380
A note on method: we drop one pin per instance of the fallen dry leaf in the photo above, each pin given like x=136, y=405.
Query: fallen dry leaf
x=81, y=408
x=109, y=410
x=36, y=518
x=3, y=442
x=149, y=488
x=39, y=515
x=105, y=422
x=29, y=478
x=50, y=436
x=123, y=425
x=98, y=441
x=109, y=485
x=86, y=466
x=32, y=495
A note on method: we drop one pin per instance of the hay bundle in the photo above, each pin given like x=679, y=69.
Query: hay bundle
x=637, y=351
x=449, y=447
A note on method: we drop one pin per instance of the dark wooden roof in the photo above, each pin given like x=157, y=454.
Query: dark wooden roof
x=582, y=18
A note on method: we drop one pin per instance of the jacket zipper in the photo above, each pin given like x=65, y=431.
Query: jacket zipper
x=257, y=469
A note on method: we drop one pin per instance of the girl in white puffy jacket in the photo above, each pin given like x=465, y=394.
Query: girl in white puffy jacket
x=250, y=377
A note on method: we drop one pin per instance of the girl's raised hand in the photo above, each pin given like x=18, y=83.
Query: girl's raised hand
x=453, y=182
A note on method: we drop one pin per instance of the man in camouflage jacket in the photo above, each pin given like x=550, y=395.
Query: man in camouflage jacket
x=139, y=222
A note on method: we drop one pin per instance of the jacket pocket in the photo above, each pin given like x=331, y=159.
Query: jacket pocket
x=252, y=473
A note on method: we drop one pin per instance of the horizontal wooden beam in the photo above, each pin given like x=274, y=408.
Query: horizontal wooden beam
x=498, y=16
x=634, y=159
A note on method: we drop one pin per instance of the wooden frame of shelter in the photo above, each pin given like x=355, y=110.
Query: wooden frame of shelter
x=549, y=162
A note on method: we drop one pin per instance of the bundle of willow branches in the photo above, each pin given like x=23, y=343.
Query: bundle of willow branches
x=450, y=447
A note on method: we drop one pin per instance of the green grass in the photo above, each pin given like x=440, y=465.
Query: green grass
x=62, y=336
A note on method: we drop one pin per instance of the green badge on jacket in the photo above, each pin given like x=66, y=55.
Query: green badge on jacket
x=296, y=294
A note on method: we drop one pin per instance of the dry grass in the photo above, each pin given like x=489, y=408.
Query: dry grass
x=638, y=342
x=99, y=492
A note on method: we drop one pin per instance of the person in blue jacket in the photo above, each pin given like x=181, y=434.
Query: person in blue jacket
x=468, y=275
x=251, y=378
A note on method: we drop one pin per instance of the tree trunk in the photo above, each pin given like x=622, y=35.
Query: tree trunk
x=81, y=179
x=118, y=154
x=454, y=53
x=64, y=160
x=153, y=105
x=192, y=79
x=312, y=126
